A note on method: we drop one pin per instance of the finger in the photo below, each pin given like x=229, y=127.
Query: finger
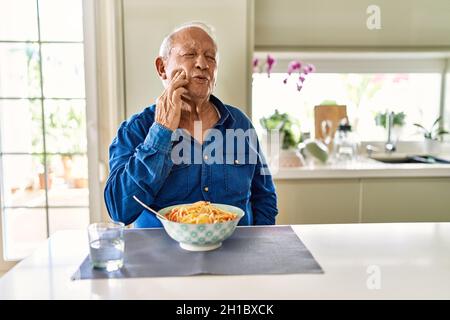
x=176, y=74
x=161, y=98
x=186, y=97
x=161, y=106
x=179, y=83
x=181, y=75
x=176, y=96
x=175, y=85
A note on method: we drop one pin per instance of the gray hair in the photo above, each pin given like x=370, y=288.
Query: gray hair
x=166, y=45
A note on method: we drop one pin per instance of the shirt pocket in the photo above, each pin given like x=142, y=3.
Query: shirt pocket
x=238, y=178
x=176, y=186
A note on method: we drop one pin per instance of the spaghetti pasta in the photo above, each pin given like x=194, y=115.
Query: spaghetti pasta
x=198, y=213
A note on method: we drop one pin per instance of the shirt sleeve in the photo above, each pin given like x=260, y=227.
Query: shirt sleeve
x=263, y=197
x=138, y=169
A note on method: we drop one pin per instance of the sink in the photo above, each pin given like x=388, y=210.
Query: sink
x=393, y=158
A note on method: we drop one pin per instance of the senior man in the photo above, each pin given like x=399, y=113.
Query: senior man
x=188, y=146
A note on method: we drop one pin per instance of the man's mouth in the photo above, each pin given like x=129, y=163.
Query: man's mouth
x=200, y=78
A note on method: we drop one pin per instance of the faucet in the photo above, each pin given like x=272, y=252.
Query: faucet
x=390, y=145
x=371, y=149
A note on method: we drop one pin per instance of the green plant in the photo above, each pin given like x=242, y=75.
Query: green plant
x=288, y=126
x=435, y=132
x=399, y=119
x=43, y=162
x=328, y=103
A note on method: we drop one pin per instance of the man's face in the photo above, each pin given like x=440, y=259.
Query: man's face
x=194, y=52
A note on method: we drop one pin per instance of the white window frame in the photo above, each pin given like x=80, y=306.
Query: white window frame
x=90, y=63
x=376, y=61
x=96, y=168
x=105, y=92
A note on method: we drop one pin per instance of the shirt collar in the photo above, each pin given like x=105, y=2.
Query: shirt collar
x=225, y=114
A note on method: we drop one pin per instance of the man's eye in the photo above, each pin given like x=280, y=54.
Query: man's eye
x=189, y=55
x=211, y=58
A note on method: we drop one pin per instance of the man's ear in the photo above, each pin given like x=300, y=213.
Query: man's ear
x=161, y=68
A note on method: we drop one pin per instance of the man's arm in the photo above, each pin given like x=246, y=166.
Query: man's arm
x=263, y=197
x=139, y=171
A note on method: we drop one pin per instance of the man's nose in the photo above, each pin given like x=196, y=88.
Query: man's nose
x=201, y=62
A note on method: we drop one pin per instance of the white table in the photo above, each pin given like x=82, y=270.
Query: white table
x=361, y=261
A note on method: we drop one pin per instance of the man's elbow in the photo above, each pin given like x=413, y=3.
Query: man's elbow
x=265, y=210
x=264, y=221
x=118, y=209
x=111, y=208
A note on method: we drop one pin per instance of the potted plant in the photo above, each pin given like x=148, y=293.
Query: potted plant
x=45, y=162
x=397, y=123
x=287, y=127
x=40, y=161
x=399, y=119
x=65, y=131
x=432, y=136
x=289, y=132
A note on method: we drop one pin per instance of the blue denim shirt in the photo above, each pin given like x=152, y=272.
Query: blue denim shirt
x=141, y=163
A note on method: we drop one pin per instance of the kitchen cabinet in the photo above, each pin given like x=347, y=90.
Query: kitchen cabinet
x=405, y=200
x=318, y=201
x=371, y=200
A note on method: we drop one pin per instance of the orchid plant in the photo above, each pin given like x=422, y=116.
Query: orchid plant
x=297, y=67
x=294, y=67
x=267, y=65
x=434, y=133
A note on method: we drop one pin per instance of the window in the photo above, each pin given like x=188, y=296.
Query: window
x=366, y=87
x=43, y=142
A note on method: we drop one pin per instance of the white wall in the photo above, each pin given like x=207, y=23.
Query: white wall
x=337, y=23
x=147, y=22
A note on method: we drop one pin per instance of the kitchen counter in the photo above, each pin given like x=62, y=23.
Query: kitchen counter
x=360, y=261
x=363, y=168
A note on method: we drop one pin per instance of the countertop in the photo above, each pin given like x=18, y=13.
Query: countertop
x=361, y=261
x=362, y=168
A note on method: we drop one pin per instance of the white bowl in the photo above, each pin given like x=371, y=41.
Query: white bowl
x=201, y=237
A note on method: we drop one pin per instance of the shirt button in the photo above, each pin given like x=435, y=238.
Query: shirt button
x=206, y=189
x=205, y=157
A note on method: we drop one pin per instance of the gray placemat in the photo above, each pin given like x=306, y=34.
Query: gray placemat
x=250, y=250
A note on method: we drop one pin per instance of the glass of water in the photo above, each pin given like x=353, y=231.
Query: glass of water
x=106, y=245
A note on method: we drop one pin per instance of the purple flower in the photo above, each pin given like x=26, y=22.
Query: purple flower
x=400, y=77
x=311, y=68
x=294, y=65
x=303, y=71
x=378, y=78
x=270, y=63
x=255, y=64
